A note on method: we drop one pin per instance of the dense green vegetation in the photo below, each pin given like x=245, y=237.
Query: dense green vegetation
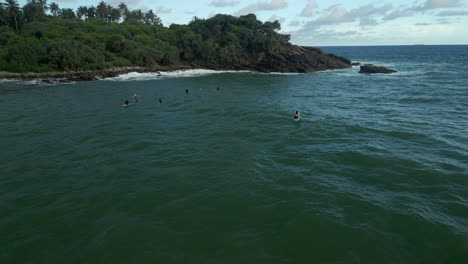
x=40, y=37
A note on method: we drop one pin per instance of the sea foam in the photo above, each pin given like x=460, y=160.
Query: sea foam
x=137, y=76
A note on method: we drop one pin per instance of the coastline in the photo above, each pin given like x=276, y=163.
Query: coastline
x=284, y=59
x=91, y=75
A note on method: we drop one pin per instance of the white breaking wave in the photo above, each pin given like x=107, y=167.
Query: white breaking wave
x=143, y=76
x=7, y=80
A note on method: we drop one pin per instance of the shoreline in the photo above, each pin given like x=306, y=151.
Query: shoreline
x=91, y=75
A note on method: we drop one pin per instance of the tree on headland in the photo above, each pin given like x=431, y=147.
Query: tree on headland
x=115, y=15
x=3, y=15
x=102, y=36
x=67, y=13
x=91, y=12
x=102, y=10
x=54, y=9
x=81, y=12
x=34, y=10
x=123, y=10
x=14, y=13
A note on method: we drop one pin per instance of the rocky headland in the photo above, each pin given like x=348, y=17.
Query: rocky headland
x=284, y=59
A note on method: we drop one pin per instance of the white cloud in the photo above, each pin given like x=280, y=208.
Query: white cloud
x=427, y=6
x=309, y=9
x=294, y=23
x=223, y=3
x=434, y=4
x=364, y=14
x=163, y=10
x=129, y=3
x=260, y=6
x=453, y=13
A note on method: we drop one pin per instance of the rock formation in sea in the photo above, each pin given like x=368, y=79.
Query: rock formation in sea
x=292, y=58
x=370, y=68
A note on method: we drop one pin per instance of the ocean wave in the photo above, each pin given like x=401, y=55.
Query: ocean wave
x=144, y=76
x=7, y=80
x=42, y=82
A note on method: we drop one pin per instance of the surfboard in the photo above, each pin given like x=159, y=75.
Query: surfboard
x=296, y=119
x=125, y=105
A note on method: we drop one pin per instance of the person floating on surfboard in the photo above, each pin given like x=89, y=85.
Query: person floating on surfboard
x=297, y=116
x=136, y=98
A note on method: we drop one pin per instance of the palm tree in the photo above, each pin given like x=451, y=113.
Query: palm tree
x=3, y=15
x=12, y=9
x=91, y=12
x=43, y=5
x=54, y=9
x=81, y=11
x=115, y=15
x=149, y=17
x=101, y=10
x=67, y=13
x=139, y=15
x=31, y=11
x=123, y=10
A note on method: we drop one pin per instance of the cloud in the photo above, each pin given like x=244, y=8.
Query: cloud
x=163, y=10
x=434, y=4
x=130, y=3
x=261, y=6
x=294, y=23
x=401, y=12
x=366, y=15
x=309, y=9
x=452, y=13
x=427, y=6
x=329, y=37
x=223, y=3
x=338, y=15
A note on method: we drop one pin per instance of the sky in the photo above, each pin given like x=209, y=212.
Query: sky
x=327, y=22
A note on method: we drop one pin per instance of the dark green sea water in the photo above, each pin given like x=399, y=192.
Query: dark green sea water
x=375, y=172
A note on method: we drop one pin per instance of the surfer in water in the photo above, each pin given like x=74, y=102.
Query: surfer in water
x=160, y=100
x=297, y=116
x=135, y=97
x=126, y=102
x=187, y=91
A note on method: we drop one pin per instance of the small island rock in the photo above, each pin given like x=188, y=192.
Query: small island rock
x=370, y=68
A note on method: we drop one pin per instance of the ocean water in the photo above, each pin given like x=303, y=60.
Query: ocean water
x=375, y=172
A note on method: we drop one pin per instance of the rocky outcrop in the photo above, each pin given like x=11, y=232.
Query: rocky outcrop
x=284, y=58
x=292, y=58
x=370, y=68
x=356, y=63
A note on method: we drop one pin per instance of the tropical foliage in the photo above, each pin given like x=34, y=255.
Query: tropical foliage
x=43, y=37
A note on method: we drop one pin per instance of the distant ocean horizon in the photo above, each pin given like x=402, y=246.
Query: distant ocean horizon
x=375, y=171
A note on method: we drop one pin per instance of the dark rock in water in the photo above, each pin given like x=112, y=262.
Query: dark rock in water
x=370, y=68
x=356, y=63
x=292, y=58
